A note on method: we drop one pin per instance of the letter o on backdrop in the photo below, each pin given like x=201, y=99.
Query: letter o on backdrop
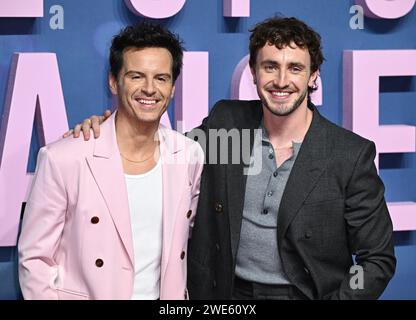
x=155, y=9
x=386, y=9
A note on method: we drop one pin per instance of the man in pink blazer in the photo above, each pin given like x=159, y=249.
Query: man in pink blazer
x=110, y=218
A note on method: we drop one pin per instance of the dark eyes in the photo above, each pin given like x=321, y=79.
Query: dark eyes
x=292, y=69
x=272, y=68
x=160, y=79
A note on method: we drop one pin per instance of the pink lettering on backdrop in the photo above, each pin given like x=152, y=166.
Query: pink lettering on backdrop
x=386, y=9
x=34, y=88
x=362, y=72
x=236, y=8
x=155, y=9
x=191, y=93
x=243, y=88
x=21, y=8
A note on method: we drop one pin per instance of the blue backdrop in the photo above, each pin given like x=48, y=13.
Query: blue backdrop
x=82, y=46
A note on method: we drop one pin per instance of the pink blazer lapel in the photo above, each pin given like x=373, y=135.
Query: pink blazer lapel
x=107, y=169
x=173, y=166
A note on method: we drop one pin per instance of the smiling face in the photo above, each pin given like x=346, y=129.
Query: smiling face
x=282, y=77
x=145, y=85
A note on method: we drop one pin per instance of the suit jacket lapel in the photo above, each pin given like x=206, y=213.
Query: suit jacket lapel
x=107, y=169
x=237, y=178
x=308, y=167
x=173, y=166
x=236, y=181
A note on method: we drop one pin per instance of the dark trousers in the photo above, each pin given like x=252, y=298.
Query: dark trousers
x=246, y=290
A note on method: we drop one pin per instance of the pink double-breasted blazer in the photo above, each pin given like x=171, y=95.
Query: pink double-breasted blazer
x=76, y=240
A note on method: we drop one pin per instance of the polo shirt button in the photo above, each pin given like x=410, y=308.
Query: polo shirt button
x=218, y=207
x=188, y=215
x=182, y=255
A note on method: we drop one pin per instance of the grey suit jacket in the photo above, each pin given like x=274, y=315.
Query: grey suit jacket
x=332, y=209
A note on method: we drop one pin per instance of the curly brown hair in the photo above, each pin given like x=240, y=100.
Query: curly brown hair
x=282, y=32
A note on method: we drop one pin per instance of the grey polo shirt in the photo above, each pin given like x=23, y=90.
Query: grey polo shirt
x=258, y=256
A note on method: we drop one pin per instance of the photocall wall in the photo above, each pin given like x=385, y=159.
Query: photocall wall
x=53, y=74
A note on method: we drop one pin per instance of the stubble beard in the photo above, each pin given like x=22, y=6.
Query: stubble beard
x=287, y=111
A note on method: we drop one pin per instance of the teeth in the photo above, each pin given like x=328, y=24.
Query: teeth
x=280, y=94
x=148, y=102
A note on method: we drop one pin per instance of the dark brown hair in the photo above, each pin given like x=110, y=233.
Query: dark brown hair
x=146, y=35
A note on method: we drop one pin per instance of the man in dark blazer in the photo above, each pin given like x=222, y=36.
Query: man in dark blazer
x=301, y=214
x=295, y=238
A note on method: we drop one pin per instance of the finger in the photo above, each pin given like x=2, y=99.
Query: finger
x=95, y=119
x=68, y=133
x=95, y=124
x=86, y=127
x=77, y=130
x=107, y=113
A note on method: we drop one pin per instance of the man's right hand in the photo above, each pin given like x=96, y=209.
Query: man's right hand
x=92, y=122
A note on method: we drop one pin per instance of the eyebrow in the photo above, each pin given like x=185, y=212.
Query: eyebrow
x=269, y=62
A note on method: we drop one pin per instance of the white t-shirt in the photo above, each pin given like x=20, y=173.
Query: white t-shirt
x=145, y=203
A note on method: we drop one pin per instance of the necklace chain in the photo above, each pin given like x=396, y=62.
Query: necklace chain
x=134, y=161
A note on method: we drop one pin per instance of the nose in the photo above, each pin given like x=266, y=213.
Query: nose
x=281, y=80
x=149, y=88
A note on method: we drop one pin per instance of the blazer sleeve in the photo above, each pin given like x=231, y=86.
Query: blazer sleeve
x=370, y=231
x=42, y=227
